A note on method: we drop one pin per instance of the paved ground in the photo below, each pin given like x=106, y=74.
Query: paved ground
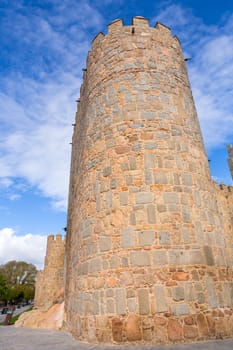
x=12, y=338
x=16, y=312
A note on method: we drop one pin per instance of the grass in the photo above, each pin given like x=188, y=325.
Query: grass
x=15, y=318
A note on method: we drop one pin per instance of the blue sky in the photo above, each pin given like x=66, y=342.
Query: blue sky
x=44, y=44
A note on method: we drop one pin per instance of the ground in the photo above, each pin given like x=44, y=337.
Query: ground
x=12, y=338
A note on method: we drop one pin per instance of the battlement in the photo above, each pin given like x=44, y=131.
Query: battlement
x=139, y=24
x=57, y=237
x=223, y=188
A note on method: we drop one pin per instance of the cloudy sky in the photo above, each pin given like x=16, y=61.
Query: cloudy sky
x=43, y=50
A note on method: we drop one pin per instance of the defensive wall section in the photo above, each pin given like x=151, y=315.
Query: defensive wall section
x=149, y=235
x=50, y=281
x=230, y=159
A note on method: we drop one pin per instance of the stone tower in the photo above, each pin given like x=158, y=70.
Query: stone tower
x=230, y=159
x=50, y=281
x=146, y=252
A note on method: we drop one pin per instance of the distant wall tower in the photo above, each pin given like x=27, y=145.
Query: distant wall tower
x=147, y=256
x=50, y=281
x=230, y=159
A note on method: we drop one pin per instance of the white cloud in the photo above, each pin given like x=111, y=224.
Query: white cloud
x=29, y=248
x=210, y=70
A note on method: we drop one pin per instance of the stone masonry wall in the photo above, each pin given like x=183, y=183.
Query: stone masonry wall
x=230, y=159
x=50, y=281
x=149, y=235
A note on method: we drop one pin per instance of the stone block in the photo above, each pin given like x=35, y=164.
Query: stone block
x=202, y=325
x=113, y=183
x=164, y=238
x=186, y=213
x=180, y=309
x=178, y=293
x=160, y=299
x=151, y=145
x=120, y=301
x=190, y=332
x=94, y=265
x=127, y=237
x=149, y=177
x=151, y=214
x=170, y=198
x=139, y=258
x=117, y=327
x=211, y=292
x=196, y=257
x=187, y=179
x=149, y=161
x=160, y=257
x=108, y=197
x=105, y=243
x=110, y=306
x=123, y=198
x=174, y=257
x=208, y=255
x=107, y=171
x=174, y=329
x=96, y=301
x=143, y=302
x=132, y=305
x=146, y=238
x=144, y=197
x=132, y=328
x=160, y=178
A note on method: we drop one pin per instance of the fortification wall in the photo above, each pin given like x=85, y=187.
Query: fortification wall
x=147, y=247
x=230, y=159
x=50, y=281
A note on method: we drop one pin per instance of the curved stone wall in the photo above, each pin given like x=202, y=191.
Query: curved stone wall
x=146, y=254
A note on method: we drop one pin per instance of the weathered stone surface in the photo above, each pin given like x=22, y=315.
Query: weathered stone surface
x=174, y=330
x=146, y=238
x=202, y=325
x=190, y=332
x=133, y=331
x=117, y=326
x=120, y=301
x=160, y=299
x=143, y=302
x=139, y=258
x=144, y=197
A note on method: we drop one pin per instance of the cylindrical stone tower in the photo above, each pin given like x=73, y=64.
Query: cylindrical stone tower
x=146, y=255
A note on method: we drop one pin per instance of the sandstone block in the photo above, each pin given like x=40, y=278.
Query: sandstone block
x=127, y=237
x=146, y=238
x=105, y=243
x=202, y=325
x=139, y=258
x=160, y=257
x=178, y=293
x=133, y=331
x=174, y=330
x=180, y=309
x=164, y=238
x=123, y=198
x=120, y=301
x=151, y=214
x=190, y=332
x=143, y=301
x=144, y=197
x=117, y=327
x=160, y=299
x=170, y=198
